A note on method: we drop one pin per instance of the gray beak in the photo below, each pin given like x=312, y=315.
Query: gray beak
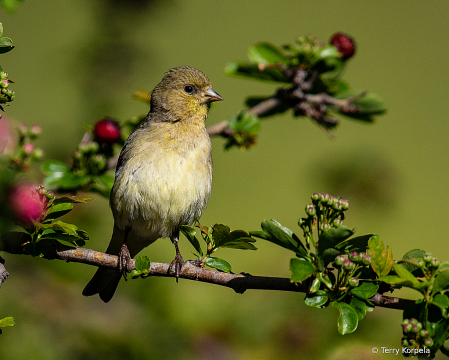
x=209, y=96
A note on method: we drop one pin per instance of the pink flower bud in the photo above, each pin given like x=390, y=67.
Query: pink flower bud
x=26, y=204
x=28, y=148
x=36, y=129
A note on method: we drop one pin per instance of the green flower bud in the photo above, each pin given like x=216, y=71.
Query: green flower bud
x=435, y=262
x=38, y=154
x=414, y=321
x=416, y=328
x=4, y=83
x=420, y=263
x=50, y=195
x=315, y=285
x=324, y=198
x=337, y=222
x=344, y=204
x=310, y=210
x=428, y=342
x=354, y=282
x=325, y=226
x=354, y=256
x=301, y=222
x=4, y=91
x=337, y=206
x=428, y=257
x=316, y=196
x=338, y=261
x=424, y=334
x=12, y=97
x=348, y=265
x=331, y=200
x=3, y=75
x=405, y=322
x=406, y=328
x=405, y=342
x=366, y=259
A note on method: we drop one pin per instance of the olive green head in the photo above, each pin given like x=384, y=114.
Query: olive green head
x=183, y=92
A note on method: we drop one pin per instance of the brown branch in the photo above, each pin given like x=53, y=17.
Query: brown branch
x=238, y=282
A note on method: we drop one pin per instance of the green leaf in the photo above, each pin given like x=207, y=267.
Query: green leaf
x=237, y=239
x=143, y=263
x=381, y=256
x=274, y=232
x=365, y=290
x=67, y=228
x=65, y=239
x=59, y=174
x=328, y=256
x=301, y=269
x=370, y=104
x=58, y=210
x=412, y=256
x=395, y=280
x=407, y=275
x=357, y=243
x=318, y=299
x=71, y=199
x=190, y=233
x=7, y=321
x=441, y=300
x=218, y=264
x=242, y=244
x=1, y=29
x=441, y=281
x=360, y=307
x=6, y=45
x=332, y=237
x=240, y=69
x=266, y=53
x=348, y=319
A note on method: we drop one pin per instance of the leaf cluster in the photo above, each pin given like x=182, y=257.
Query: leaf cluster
x=310, y=75
x=48, y=231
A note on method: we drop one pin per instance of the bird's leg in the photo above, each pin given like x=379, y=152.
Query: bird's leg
x=124, y=256
x=178, y=263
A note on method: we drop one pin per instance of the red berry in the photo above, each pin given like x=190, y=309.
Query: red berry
x=107, y=131
x=26, y=204
x=344, y=44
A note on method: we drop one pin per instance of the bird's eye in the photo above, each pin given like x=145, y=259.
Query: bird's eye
x=188, y=89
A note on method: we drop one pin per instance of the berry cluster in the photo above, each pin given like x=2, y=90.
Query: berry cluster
x=415, y=337
x=26, y=152
x=326, y=211
x=6, y=95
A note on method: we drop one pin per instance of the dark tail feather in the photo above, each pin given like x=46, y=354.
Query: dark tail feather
x=105, y=280
x=104, y=283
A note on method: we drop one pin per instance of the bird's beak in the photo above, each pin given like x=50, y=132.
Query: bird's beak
x=210, y=95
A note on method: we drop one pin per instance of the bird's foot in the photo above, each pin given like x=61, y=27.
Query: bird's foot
x=176, y=265
x=124, y=258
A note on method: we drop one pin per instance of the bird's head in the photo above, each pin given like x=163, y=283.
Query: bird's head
x=183, y=92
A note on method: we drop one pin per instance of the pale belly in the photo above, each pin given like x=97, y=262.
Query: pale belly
x=158, y=195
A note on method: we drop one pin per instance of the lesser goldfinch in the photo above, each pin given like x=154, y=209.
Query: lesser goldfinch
x=164, y=173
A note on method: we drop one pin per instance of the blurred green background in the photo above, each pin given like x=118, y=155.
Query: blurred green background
x=76, y=62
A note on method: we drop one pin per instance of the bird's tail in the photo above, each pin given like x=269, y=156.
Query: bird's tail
x=105, y=281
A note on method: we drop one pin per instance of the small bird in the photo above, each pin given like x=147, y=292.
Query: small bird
x=164, y=174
